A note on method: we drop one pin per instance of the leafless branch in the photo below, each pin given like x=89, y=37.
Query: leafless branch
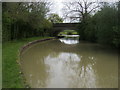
x=80, y=8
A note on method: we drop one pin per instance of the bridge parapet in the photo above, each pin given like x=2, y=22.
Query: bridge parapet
x=58, y=27
x=65, y=24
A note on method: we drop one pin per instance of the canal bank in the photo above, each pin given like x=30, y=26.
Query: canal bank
x=11, y=71
x=23, y=48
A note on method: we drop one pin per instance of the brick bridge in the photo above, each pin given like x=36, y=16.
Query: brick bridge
x=58, y=27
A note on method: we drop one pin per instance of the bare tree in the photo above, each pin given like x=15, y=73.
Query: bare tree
x=79, y=9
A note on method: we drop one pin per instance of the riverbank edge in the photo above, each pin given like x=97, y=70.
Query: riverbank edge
x=34, y=42
x=24, y=47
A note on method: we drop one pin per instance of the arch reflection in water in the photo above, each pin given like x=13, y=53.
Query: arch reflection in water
x=70, y=40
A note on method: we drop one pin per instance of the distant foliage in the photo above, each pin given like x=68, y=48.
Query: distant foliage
x=55, y=18
x=68, y=32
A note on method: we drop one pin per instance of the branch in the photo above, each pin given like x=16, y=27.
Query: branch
x=80, y=6
x=89, y=4
x=93, y=9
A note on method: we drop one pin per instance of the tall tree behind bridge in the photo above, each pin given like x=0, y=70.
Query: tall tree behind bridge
x=80, y=10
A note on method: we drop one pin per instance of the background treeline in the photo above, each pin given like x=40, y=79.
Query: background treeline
x=104, y=26
x=23, y=20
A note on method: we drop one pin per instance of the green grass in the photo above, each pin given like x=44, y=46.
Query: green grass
x=66, y=32
x=11, y=77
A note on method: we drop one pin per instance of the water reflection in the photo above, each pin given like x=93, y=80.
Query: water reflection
x=53, y=64
x=67, y=71
x=70, y=40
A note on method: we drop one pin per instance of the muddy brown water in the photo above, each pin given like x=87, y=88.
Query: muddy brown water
x=68, y=63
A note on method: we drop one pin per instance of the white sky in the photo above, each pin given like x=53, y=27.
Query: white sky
x=57, y=6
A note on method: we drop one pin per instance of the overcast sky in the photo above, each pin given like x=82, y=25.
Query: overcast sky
x=57, y=6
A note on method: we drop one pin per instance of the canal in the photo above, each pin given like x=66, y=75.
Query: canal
x=70, y=63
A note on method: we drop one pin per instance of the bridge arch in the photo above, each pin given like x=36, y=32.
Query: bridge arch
x=59, y=27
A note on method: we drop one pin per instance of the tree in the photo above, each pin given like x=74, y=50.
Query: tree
x=79, y=9
x=54, y=18
x=103, y=27
x=116, y=29
x=105, y=24
x=23, y=19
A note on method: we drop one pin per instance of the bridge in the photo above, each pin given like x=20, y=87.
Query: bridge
x=58, y=27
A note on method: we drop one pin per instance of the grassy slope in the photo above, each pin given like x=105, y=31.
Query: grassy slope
x=11, y=76
x=67, y=31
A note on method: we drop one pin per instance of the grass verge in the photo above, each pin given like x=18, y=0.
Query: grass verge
x=11, y=77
